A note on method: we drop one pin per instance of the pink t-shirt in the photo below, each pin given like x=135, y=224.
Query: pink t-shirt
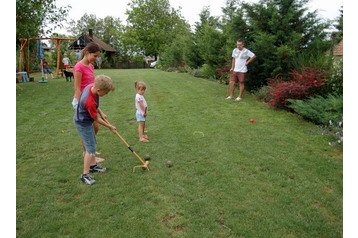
x=87, y=73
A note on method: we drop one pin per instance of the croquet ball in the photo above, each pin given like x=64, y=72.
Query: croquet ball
x=169, y=163
x=252, y=120
x=147, y=157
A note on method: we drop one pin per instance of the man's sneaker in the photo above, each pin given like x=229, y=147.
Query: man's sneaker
x=238, y=99
x=97, y=169
x=229, y=97
x=87, y=179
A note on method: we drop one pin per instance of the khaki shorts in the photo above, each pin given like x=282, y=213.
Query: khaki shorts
x=237, y=77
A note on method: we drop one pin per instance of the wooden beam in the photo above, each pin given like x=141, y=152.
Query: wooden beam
x=58, y=47
x=50, y=38
x=23, y=47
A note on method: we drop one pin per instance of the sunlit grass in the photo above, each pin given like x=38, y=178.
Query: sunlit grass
x=276, y=177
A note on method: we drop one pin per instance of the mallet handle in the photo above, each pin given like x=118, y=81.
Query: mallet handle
x=128, y=146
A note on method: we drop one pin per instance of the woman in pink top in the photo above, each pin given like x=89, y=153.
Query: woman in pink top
x=83, y=74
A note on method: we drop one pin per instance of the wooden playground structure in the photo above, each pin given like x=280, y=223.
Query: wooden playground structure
x=24, y=43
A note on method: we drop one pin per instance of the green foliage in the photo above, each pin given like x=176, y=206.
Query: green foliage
x=333, y=68
x=335, y=80
x=337, y=36
x=319, y=109
x=108, y=29
x=174, y=53
x=210, y=40
x=207, y=71
x=34, y=17
x=321, y=61
x=281, y=30
x=152, y=24
x=263, y=94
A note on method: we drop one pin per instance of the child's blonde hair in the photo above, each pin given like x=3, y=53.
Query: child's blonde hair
x=140, y=85
x=104, y=83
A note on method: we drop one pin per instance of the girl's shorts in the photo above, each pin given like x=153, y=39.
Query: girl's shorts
x=88, y=137
x=139, y=117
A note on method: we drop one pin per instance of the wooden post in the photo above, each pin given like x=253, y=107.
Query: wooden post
x=58, y=47
x=23, y=47
x=25, y=58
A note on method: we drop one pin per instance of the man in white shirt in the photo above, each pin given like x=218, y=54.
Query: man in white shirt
x=241, y=57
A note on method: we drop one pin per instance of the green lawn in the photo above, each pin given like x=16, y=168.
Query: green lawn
x=277, y=177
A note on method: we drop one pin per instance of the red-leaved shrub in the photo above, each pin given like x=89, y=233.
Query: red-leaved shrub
x=223, y=74
x=300, y=86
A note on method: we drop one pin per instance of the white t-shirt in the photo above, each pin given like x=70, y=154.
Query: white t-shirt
x=66, y=60
x=240, y=59
x=140, y=98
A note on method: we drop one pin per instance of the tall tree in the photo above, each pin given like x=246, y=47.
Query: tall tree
x=108, y=29
x=35, y=17
x=87, y=21
x=209, y=39
x=282, y=30
x=234, y=26
x=338, y=34
x=152, y=24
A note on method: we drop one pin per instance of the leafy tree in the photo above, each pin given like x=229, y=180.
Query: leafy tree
x=234, y=26
x=209, y=39
x=282, y=30
x=108, y=29
x=87, y=21
x=338, y=35
x=35, y=17
x=176, y=53
x=152, y=24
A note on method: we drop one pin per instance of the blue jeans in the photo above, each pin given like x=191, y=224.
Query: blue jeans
x=88, y=137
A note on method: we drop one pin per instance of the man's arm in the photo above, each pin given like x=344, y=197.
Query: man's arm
x=232, y=64
x=251, y=59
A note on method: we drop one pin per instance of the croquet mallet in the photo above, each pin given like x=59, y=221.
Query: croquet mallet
x=144, y=163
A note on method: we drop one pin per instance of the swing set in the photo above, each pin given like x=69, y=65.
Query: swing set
x=24, y=43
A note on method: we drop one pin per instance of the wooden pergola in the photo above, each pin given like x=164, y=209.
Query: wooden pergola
x=24, y=57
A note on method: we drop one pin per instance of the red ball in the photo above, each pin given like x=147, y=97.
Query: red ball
x=252, y=120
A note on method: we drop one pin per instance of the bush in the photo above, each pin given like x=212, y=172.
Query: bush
x=327, y=112
x=335, y=130
x=223, y=74
x=263, y=94
x=320, y=110
x=207, y=71
x=335, y=81
x=301, y=86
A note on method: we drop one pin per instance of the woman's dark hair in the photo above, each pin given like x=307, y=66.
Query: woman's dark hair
x=90, y=48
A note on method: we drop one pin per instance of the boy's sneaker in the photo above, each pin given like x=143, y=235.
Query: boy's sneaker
x=97, y=169
x=229, y=97
x=98, y=159
x=238, y=99
x=87, y=179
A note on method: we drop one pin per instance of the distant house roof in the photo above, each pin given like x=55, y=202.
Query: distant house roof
x=86, y=38
x=338, y=49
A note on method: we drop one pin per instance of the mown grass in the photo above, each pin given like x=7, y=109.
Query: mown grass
x=277, y=177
